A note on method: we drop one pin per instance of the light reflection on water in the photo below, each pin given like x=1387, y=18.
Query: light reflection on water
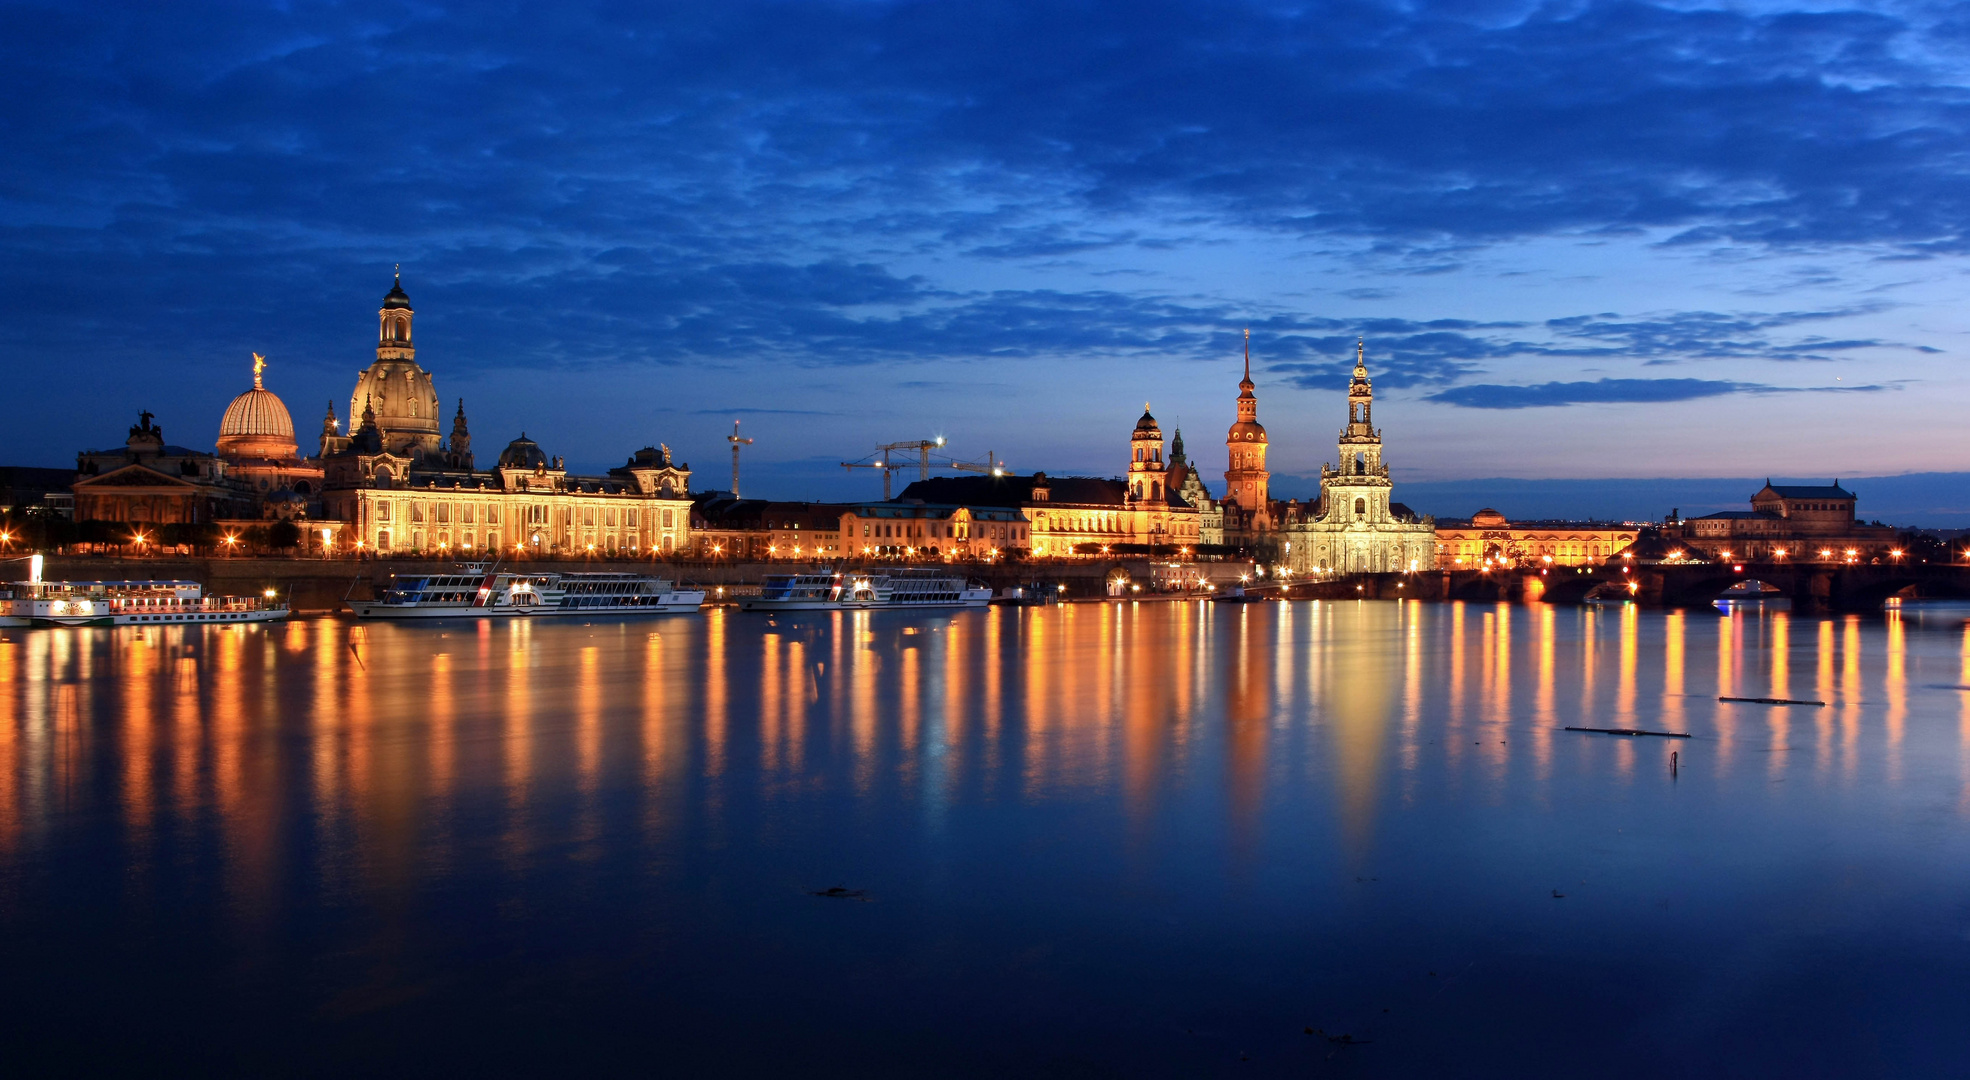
x=1158, y=839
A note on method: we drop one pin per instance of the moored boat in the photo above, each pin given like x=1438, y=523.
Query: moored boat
x=35, y=602
x=477, y=592
x=867, y=589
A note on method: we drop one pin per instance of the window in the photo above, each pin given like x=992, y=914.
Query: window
x=444, y=513
x=629, y=517
x=612, y=517
x=588, y=515
x=383, y=511
x=1360, y=508
x=492, y=514
x=465, y=514
x=669, y=518
x=416, y=511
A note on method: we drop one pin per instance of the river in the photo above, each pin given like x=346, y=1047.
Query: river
x=1158, y=839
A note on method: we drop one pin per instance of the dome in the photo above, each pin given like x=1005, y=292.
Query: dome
x=403, y=396
x=396, y=297
x=1148, y=422
x=1489, y=518
x=256, y=424
x=1250, y=431
x=521, y=453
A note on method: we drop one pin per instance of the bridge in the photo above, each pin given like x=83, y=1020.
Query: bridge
x=1813, y=587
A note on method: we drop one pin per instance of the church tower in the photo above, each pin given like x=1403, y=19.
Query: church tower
x=1246, y=481
x=1358, y=489
x=401, y=394
x=460, y=449
x=1146, y=469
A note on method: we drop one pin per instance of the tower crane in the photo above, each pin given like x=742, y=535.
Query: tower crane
x=736, y=443
x=923, y=447
x=993, y=466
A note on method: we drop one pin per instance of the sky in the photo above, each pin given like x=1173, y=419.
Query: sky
x=1579, y=241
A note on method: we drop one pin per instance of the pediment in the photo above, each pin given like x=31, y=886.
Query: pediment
x=135, y=476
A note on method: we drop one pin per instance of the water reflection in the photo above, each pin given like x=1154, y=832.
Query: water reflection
x=1257, y=754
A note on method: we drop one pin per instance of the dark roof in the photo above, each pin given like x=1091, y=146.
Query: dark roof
x=397, y=298
x=1736, y=515
x=1402, y=513
x=522, y=453
x=1017, y=491
x=1833, y=492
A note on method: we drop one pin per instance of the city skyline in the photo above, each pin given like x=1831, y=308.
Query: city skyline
x=1580, y=244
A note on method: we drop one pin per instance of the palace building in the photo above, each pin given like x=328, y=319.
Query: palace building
x=404, y=488
x=1489, y=539
x=1357, y=527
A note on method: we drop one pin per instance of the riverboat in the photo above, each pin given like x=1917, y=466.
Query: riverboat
x=866, y=589
x=35, y=602
x=476, y=592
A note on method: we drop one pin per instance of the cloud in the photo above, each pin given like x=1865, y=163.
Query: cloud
x=1613, y=391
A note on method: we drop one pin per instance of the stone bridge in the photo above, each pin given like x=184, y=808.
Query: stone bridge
x=1812, y=587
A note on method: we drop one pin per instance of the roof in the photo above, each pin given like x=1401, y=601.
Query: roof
x=1835, y=491
x=1017, y=491
x=1737, y=515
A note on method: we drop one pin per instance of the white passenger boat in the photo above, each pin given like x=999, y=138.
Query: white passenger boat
x=477, y=592
x=35, y=602
x=898, y=588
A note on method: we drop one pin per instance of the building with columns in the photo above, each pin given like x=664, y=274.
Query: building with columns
x=1358, y=527
x=404, y=488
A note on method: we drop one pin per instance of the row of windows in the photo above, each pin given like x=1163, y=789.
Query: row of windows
x=448, y=513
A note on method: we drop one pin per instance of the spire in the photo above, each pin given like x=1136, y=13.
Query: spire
x=329, y=422
x=369, y=412
x=1248, y=354
x=259, y=365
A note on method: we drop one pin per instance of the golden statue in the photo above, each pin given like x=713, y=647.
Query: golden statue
x=259, y=365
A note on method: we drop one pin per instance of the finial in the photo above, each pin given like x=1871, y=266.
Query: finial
x=1360, y=352
x=399, y=272
x=1248, y=354
x=1145, y=406
x=259, y=365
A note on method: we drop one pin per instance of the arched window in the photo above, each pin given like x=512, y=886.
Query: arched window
x=1360, y=508
x=1138, y=453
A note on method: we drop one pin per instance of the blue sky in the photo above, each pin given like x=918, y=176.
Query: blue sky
x=1581, y=240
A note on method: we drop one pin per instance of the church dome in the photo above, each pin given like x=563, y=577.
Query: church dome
x=1147, y=423
x=1250, y=431
x=401, y=393
x=522, y=453
x=256, y=424
x=396, y=297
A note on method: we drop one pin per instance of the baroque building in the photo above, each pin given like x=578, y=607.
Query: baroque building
x=403, y=488
x=1357, y=526
x=1813, y=522
x=1487, y=538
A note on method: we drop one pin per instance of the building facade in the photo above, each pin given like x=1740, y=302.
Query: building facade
x=403, y=488
x=1787, y=522
x=1357, y=526
x=151, y=482
x=256, y=439
x=1487, y=538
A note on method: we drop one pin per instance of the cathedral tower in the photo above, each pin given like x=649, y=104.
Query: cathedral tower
x=1358, y=489
x=1246, y=481
x=399, y=392
x=1146, y=469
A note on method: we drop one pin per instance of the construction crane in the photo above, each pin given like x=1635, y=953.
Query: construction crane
x=923, y=447
x=993, y=466
x=736, y=443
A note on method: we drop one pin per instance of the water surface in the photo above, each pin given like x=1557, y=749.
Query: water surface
x=1100, y=840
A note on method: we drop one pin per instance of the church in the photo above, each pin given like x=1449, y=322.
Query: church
x=1358, y=527
x=1355, y=526
x=404, y=487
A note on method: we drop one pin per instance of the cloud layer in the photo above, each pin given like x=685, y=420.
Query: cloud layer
x=813, y=185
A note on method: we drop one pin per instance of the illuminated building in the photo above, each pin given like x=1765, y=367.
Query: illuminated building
x=1357, y=527
x=1247, y=509
x=1085, y=516
x=1488, y=539
x=256, y=438
x=404, y=488
x=1784, y=522
x=149, y=481
x=905, y=528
